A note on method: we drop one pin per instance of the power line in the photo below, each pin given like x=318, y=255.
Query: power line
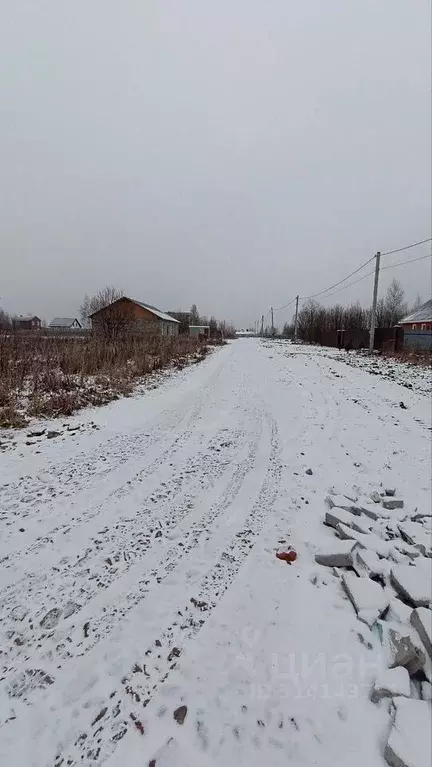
x=340, y=282
x=387, y=253
x=390, y=266
x=409, y=261
x=314, y=295
x=350, y=284
x=407, y=247
x=285, y=306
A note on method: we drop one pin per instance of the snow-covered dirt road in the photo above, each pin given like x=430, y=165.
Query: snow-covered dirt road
x=145, y=619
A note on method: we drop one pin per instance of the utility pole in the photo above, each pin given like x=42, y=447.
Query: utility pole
x=272, y=327
x=296, y=320
x=262, y=326
x=374, y=303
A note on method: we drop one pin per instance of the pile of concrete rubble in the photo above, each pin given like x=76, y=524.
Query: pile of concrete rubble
x=382, y=553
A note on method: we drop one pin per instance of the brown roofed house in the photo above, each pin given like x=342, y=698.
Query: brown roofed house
x=129, y=316
x=26, y=322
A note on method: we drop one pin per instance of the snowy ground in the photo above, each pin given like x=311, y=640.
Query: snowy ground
x=138, y=569
x=417, y=377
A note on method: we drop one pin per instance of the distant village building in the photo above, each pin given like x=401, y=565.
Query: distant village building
x=129, y=316
x=202, y=331
x=417, y=327
x=26, y=322
x=65, y=323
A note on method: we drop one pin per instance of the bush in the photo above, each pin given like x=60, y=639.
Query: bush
x=42, y=375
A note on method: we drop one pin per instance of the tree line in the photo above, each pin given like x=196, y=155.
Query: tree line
x=314, y=318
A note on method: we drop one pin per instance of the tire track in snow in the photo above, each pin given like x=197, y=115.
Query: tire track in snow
x=32, y=498
x=84, y=575
x=124, y=708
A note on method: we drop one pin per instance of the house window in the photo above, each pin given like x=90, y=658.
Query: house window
x=423, y=327
x=414, y=327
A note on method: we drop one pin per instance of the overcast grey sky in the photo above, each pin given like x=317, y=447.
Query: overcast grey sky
x=228, y=153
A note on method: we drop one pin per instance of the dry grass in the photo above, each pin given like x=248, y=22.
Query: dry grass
x=51, y=376
x=420, y=357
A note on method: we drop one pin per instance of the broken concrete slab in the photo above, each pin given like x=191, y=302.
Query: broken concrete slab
x=398, y=611
x=392, y=503
x=366, y=563
x=337, y=515
x=376, y=497
x=421, y=619
x=368, y=598
x=405, y=535
x=416, y=535
x=407, y=549
x=369, y=541
x=390, y=491
x=347, y=533
x=410, y=741
x=405, y=652
x=365, y=506
x=341, y=502
x=361, y=525
x=402, y=646
x=338, y=554
x=390, y=683
x=413, y=582
x=344, y=489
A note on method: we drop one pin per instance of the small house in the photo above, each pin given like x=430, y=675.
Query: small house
x=26, y=322
x=200, y=331
x=129, y=316
x=417, y=327
x=65, y=323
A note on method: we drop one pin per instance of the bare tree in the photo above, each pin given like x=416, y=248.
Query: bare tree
x=194, y=315
x=311, y=319
x=184, y=320
x=117, y=318
x=417, y=303
x=355, y=317
x=381, y=314
x=227, y=329
x=288, y=330
x=99, y=300
x=213, y=325
x=394, y=303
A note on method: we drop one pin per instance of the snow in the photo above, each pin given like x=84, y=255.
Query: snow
x=366, y=563
x=399, y=612
x=368, y=541
x=337, y=515
x=405, y=375
x=368, y=597
x=413, y=582
x=146, y=547
x=392, y=682
x=410, y=741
